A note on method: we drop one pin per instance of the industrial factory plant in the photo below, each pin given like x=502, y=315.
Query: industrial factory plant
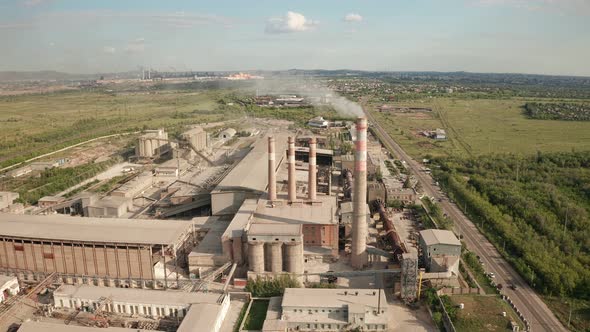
x=208, y=166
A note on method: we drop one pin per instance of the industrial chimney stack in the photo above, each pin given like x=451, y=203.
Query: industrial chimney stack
x=272, y=180
x=311, y=179
x=359, y=223
x=291, y=164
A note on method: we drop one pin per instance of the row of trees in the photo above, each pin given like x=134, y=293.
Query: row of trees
x=558, y=111
x=535, y=210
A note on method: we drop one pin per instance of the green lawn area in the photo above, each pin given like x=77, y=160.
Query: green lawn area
x=483, y=313
x=481, y=126
x=580, y=319
x=256, y=316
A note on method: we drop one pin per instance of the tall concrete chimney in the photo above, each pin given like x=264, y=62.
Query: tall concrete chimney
x=359, y=222
x=311, y=179
x=272, y=180
x=291, y=163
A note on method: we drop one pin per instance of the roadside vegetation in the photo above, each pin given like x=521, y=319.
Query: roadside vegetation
x=257, y=315
x=274, y=287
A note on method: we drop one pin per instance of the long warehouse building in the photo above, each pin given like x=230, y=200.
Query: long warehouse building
x=97, y=247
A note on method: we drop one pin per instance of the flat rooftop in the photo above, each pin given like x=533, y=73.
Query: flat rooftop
x=211, y=243
x=136, y=296
x=251, y=173
x=32, y=326
x=4, y=279
x=241, y=219
x=438, y=236
x=324, y=213
x=200, y=316
x=82, y=229
x=331, y=297
x=274, y=229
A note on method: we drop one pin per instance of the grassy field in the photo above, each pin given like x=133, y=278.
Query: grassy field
x=34, y=124
x=481, y=126
x=483, y=313
x=257, y=315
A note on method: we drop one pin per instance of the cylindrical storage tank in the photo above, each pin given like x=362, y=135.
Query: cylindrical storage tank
x=256, y=256
x=237, y=250
x=141, y=145
x=148, y=148
x=294, y=257
x=275, y=257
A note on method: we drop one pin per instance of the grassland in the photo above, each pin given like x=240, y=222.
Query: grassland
x=34, y=124
x=580, y=312
x=480, y=126
x=483, y=313
x=257, y=315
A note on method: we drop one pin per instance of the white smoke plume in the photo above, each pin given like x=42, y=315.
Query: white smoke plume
x=309, y=87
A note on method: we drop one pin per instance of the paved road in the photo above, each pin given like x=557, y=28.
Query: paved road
x=526, y=300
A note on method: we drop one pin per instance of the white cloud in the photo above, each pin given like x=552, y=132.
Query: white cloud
x=135, y=46
x=109, y=50
x=353, y=17
x=291, y=22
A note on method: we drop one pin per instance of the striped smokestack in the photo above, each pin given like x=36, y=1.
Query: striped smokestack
x=311, y=179
x=359, y=222
x=272, y=180
x=291, y=163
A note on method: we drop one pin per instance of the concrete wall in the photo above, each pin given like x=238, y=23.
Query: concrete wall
x=104, y=260
x=317, y=235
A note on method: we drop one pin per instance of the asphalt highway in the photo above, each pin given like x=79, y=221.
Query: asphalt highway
x=524, y=297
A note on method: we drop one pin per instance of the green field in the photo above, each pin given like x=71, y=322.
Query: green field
x=257, y=315
x=481, y=126
x=34, y=124
x=483, y=313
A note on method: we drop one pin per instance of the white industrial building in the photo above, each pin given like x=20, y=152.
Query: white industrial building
x=8, y=287
x=441, y=250
x=198, y=311
x=324, y=309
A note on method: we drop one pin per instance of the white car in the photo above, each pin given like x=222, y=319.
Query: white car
x=492, y=275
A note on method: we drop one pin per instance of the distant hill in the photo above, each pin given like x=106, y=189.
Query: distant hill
x=45, y=75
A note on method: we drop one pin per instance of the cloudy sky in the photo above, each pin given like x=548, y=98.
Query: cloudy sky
x=527, y=36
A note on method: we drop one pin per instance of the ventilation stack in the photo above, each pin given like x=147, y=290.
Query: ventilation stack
x=311, y=179
x=291, y=163
x=359, y=223
x=272, y=180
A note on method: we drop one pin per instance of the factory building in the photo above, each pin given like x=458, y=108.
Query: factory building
x=134, y=187
x=33, y=326
x=227, y=133
x=152, y=144
x=197, y=138
x=48, y=201
x=97, y=247
x=303, y=309
x=107, y=207
x=441, y=250
x=8, y=287
x=7, y=199
x=246, y=180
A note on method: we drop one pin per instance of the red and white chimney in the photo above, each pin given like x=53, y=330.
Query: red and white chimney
x=272, y=180
x=291, y=163
x=359, y=257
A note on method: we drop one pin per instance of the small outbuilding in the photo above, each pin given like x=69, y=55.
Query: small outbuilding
x=227, y=133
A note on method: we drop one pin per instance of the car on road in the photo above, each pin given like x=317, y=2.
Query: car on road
x=491, y=275
x=513, y=287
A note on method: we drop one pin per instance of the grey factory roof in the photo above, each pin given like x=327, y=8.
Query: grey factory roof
x=200, y=317
x=32, y=326
x=211, y=243
x=4, y=279
x=241, y=219
x=331, y=298
x=109, y=230
x=251, y=173
x=437, y=236
x=135, y=295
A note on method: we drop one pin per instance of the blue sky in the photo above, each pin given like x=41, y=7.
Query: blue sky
x=528, y=36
